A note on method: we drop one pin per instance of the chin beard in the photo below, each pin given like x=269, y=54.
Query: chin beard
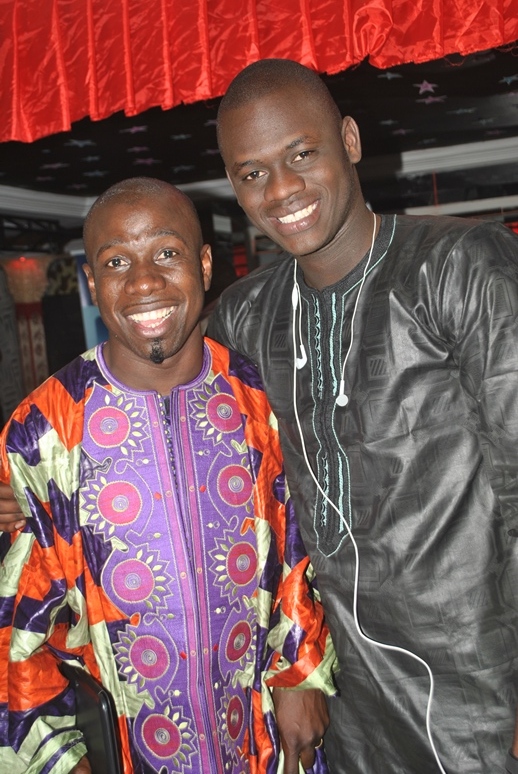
x=157, y=352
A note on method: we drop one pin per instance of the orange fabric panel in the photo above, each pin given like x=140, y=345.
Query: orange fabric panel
x=35, y=681
x=57, y=405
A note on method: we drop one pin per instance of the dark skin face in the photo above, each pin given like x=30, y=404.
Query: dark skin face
x=147, y=272
x=292, y=170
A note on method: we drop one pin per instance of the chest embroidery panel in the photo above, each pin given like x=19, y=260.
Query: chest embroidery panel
x=166, y=503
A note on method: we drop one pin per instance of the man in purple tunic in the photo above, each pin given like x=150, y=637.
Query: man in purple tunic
x=161, y=550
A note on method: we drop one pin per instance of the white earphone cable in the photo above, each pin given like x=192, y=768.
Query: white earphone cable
x=296, y=302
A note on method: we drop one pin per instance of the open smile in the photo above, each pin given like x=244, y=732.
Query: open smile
x=151, y=320
x=295, y=217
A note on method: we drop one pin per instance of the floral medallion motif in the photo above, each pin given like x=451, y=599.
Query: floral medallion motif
x=119, y=502
x=138, y=579
x=118, y=424
x=235, y=485
x=239, y=640
x=215, y=412
x=234, y=564
x=167, y=737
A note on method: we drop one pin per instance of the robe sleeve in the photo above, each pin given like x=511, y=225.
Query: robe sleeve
x=294, y=647
x=303, y=652
x=478, y=312
x=36, y=601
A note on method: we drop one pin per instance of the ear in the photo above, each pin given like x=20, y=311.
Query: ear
x=206, y=265
x=351, y=139
x=91, y=283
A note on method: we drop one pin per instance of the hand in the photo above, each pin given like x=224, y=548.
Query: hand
x=83, y=767
x=302, y=720
x=11, y=516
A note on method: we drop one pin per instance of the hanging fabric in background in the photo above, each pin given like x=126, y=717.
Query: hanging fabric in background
x=62, y=61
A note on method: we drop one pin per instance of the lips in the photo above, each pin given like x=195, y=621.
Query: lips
x=153, y=319
x=295, y=217
x=295, y=222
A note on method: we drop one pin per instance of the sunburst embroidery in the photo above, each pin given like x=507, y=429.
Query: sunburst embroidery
x=118, y=424
x=234, y=564
x=215, y=413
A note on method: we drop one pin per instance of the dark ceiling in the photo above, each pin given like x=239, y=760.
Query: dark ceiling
x=408, y=108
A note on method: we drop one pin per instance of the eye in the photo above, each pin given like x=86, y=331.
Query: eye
x=255, y=175
x=303, y=155
x=114, y=263
x=168, y=253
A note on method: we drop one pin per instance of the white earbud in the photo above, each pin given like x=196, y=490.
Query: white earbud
x=341, y=398
x=301, y=361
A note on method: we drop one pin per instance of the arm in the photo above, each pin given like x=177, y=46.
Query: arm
x=234, y=322
x=302, y=720
x=485, y=336
x=34, y=612
x=300, y=685
x=40, y=712
x=478, y=304
x=294, y=653
x=302, y=661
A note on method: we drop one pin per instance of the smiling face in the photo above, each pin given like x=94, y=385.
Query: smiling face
x=147, y=272
x=291, y=167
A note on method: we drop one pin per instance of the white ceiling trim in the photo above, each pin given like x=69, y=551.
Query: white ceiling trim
x=466, y=156
x=447, y=159
x=22, y=201
x=494, y=208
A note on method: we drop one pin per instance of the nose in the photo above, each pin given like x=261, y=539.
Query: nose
x=145, y=279
x=283, y=183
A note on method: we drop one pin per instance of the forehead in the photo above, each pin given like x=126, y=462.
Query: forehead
x=128, y=217
x=272, y=120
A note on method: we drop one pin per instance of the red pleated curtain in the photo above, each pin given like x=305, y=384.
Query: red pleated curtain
x=61, y=60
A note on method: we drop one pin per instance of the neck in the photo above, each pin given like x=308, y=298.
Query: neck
x=337, y=259
x=138, y=373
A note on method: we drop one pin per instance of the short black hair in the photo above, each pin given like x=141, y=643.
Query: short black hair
x=268, y=76
x=134, y=188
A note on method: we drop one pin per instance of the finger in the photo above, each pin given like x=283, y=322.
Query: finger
x=307, y=757
x=11, y=526
x=11, y=523
x=291, y=762
x=10, y=507
x=8, y=502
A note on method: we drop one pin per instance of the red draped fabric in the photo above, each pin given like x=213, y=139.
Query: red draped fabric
x=61, y=60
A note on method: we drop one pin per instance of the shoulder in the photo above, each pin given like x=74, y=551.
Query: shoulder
x=443, y=232
x=239, y=298
x=251, y=286
x=454, y=244
x=246, y=308
x=244, y=379
x=55, y=404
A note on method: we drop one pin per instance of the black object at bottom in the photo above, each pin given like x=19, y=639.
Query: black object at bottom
x=96, y=718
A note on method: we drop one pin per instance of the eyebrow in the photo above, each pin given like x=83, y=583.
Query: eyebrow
x=159, y=232
x=240, y=165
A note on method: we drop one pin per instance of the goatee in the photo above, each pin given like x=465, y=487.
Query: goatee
x=157, y=353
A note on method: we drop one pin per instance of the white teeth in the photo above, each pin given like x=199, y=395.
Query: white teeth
x=156, y=316
x=296, y=216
